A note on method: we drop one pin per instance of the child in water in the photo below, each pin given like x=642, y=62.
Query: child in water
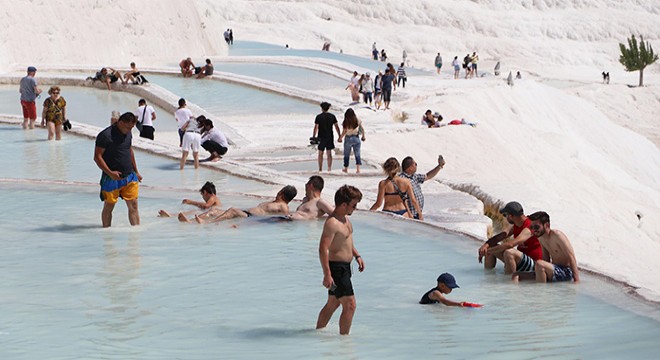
x=446, y=283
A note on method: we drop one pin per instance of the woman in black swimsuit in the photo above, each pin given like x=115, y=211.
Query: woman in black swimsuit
x=394, y=191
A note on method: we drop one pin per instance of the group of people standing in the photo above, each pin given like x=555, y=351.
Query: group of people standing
x=469, y=64
x=53, y=115
x=379, y=89
x=352, y=134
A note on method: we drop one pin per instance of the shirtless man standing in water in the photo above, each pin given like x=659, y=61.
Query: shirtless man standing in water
x=336, y=250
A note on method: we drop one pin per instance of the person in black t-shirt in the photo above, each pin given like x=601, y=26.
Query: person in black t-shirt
x=323, y=128
x=113, y=154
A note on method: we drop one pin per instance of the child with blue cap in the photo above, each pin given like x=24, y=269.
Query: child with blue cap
x=446, y=283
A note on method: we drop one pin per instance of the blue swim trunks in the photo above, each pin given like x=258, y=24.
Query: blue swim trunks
x=562, y=273
x=112, y=190
x=526, y=264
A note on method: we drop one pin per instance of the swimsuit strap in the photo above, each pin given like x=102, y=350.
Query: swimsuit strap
x=403, y=195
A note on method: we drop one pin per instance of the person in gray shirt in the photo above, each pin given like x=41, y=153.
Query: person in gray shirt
x=29, y=92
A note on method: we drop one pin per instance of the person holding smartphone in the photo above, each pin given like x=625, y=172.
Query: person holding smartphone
x=409, y=166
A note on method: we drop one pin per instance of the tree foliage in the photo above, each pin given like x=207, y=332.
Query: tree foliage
x=637, y=57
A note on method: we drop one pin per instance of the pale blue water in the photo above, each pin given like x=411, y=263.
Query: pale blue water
x=222, y=98
x=168, y=290
x=87, y=105
x=253, y=48
x=28, y=155
x=290, y=75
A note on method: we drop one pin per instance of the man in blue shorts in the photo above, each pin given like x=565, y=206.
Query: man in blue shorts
x=113, y=154
x=559, y=264
x=323, y=128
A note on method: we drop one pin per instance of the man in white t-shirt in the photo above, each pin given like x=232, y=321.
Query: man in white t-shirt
x=146, y=116
x=213, y=140
x=182, y=115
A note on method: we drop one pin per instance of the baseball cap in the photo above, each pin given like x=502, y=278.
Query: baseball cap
x=512, y=208
x=448, y=279
x=32, y=69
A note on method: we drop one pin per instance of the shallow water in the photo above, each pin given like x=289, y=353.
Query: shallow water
x=253, y=48
x=167, y=290
x=87, y=105
x=28, y=155
x=222, y=98
x=172, y=290
x=289, y=75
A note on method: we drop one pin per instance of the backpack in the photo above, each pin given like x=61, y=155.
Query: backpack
x=141, y=80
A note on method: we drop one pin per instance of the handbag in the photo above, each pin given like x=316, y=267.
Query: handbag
x=138, y=125
x=66, y=124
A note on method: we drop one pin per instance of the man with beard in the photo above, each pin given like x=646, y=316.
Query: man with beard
x=559, y=262
x=519, y=253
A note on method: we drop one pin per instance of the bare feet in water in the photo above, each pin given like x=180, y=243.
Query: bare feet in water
x=163, y=213
x=182, y=217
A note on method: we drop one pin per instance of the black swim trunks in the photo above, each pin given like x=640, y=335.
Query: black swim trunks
x=341, y=275
x=247, y=212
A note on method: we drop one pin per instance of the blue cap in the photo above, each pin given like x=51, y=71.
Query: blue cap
x=448, y=279
x=32, y=69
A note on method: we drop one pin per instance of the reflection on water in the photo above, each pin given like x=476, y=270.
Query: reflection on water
x=121, y=276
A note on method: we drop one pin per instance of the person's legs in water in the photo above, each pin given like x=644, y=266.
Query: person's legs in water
x=184, y=156
x=320, y=160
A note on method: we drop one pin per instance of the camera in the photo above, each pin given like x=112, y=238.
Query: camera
x=314, y=140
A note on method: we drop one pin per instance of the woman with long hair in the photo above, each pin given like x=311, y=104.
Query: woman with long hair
x=54, y=113
x=394, y=191
x=351, y=135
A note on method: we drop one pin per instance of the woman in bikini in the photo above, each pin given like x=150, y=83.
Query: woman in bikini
x=394, y=191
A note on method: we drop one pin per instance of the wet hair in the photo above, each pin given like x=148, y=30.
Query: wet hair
x=128, y=117
x=325, y=106
x=289, y=192
x=407, y=162
x=391, y=167
x=208, y=187
x=182, y=102
x=142, y=102
x=350, y=120
x=346, y=194
x=316, y=182
x=540, y=216
x=53, y=88
x=208, y=61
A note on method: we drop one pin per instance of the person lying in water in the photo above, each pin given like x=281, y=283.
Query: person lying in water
x=312, y=207
x=279, y=206
x=210, y=200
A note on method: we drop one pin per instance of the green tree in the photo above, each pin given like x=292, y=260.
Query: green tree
x=636, y=58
